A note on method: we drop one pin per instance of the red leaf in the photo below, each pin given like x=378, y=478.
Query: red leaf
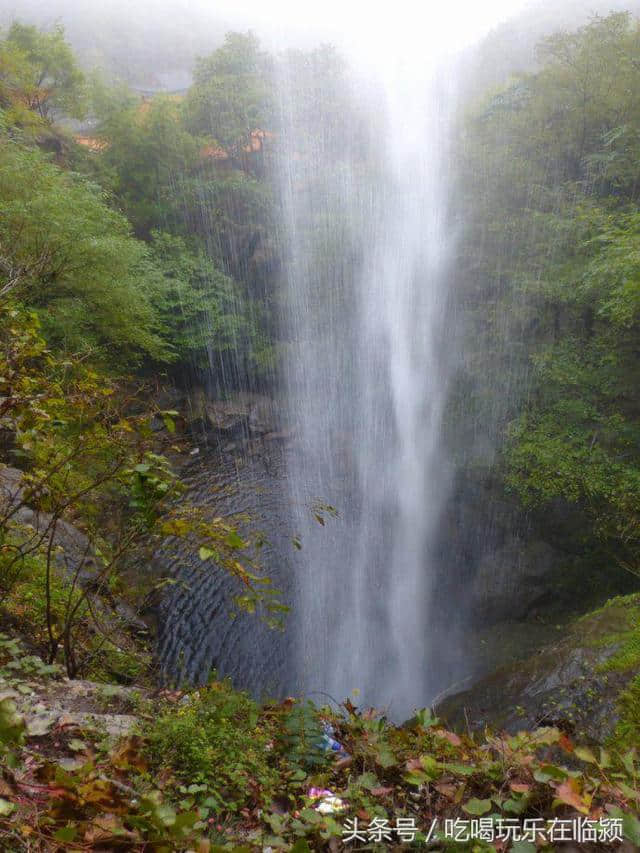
x=381, y=792
x=520, y=787
x=453, y=738
x=565, y=743
x=569, y=792
x=448, y=791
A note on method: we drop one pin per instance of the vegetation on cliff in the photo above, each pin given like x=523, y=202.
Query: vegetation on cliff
x=549, y=289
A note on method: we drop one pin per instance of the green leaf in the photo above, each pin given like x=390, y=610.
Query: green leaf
x=311, y=816
x=165, y=814
x=207, y=553
x=460, y=769
x=477, y=807
x=184, y=821
x=515, y=806
x=585, y=754
x=385, y=757
x=415, y=777
x=548, y=772
x=6, y=807
x=628, y=761
x=523, y=847
x=431, y=766
x=234, y=540
x=629, y=792
x=631, y=829
x=66, y=833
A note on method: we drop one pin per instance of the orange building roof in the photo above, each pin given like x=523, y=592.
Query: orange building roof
x=91, y=142
x=254, y=146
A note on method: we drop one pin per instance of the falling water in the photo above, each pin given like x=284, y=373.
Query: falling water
x=355, y=505
x=366, y=378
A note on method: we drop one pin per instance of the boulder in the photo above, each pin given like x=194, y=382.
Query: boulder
x=567, y=683
x=496, y=562
x=11, y=488
x=242, y=415
x=265, y=416
x=52, y=705
x=228, y=418
x=196, y=405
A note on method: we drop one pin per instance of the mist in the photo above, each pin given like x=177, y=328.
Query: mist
x=122, y=36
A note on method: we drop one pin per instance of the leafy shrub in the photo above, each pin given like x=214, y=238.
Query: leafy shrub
x=627, y=732
x=301, y=736
x=217, y=740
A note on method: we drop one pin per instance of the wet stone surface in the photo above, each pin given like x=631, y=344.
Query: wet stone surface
x=566, y=684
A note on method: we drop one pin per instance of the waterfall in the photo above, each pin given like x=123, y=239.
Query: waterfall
x=368, y=245
x=353, y=489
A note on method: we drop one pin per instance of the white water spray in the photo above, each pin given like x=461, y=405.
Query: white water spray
x=362, y=165
x=366, y=380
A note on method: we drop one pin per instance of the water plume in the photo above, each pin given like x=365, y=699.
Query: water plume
x=366, y=379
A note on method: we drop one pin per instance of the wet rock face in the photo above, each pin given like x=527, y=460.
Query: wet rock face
x=514, y=578
x=499, y=566
x=565, y=684
x=242, y=416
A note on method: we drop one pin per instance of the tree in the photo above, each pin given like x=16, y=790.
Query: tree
x=66, y=253
x=548, y=284
x=147, y=156
x=39, y=69
x=232, y=93
x=97, y=493
x=203, y=310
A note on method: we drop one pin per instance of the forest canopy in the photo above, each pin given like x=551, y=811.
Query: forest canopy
x=551, y=282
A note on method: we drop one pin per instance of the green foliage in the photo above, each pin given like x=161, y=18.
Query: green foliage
x=301, y=737
x=550, y=286
x=330, y=122
x=73, y=258
x=626, y=638
x=81, y=451
x=202, y=310
x=212, y=771
x=96, y=494
x=147, y=154
x=210, y=227
x=11, y=731
x=627, y=732
x=231, y=95
x=38, y=71
x=215, y=740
